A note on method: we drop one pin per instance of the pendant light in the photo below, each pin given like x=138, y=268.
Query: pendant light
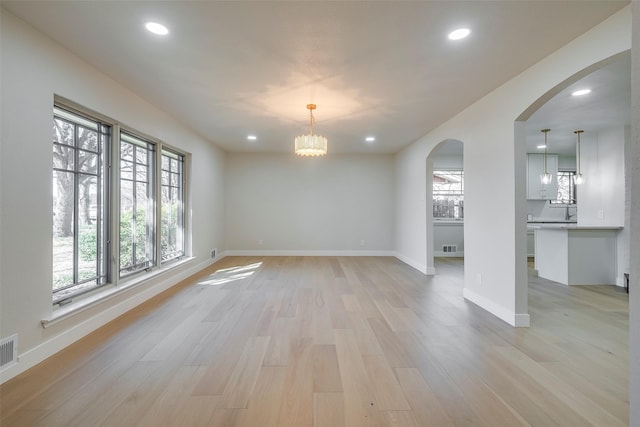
x=578, y=179
x=310, y=145
x=546, y=177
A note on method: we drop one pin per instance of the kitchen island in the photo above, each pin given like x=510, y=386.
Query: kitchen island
x=576, y=255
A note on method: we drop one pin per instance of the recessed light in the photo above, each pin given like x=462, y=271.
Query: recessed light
x=156, y=28
x=252, y=137
x=581, y=92
x=460, y=33
x=541, y=146
x=370, y=138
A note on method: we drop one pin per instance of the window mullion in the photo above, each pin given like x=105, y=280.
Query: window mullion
x=103, y=224
x=114, y=222
x=134, y=212
x=98, y=224
x=185, y=197
x=76, y=202
x=156, y=176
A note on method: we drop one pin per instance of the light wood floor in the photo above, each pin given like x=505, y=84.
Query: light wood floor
x=324, y=341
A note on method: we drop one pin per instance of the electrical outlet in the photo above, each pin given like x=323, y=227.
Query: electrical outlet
x=213, y=253
x=600, y=214
x=260, y=242
x=362, y=242
x=479, y=279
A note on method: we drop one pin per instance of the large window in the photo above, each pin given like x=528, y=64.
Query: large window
x=137, y=201
x=172, y=229
x=80, y=203
x=448, y=194
x=118, y=203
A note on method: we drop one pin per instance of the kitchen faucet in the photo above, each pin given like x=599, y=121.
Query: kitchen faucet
x=567, y=215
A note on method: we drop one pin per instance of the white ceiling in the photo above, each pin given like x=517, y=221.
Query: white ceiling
x=381, y=68
x=608, y=105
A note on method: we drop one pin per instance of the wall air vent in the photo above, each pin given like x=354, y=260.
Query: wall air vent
x=8, y=351
x=449, y=248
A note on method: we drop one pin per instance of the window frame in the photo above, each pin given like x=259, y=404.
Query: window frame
x=151, y=217
x=181, y=188
x=457, y=197
x=112, y=194
x=104, y=131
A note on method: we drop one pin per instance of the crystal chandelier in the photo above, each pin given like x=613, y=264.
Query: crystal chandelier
x=311, y=145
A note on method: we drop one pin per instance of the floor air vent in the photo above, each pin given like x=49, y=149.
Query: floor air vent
x=8, y=351
x=449, y=248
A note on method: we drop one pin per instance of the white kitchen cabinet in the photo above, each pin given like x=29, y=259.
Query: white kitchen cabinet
x=536, y=190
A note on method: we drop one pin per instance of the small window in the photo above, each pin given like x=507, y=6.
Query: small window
x=566, y=188
x=448, y=194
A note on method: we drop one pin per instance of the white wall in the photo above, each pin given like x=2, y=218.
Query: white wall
x=601, y=196
x=542, y=210
x=448, y=233
x=567, y=163
x=447, y=162
x=310, y=205
x=624, y=236
x=33, y=69
x=634, y=295
x=495, y=245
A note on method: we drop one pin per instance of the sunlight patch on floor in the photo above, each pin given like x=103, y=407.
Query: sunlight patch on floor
x=231, y=274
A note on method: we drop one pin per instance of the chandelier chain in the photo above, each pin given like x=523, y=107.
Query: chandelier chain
x=312, y=120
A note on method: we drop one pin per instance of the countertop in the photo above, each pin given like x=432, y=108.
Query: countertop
x=569, y=226
x=538, y=224
x=552, y=222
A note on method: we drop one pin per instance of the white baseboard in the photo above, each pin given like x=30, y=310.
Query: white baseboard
x=620, y=281
x=522, y=320
x=267, y=252
x=514, y=319
x=459, y=254
x=50, y=347
x=422, y=268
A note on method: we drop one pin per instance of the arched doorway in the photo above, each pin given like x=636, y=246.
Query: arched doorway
x=603, y=199
x=445, y=202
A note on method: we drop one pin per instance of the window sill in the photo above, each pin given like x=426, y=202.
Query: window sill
x=107, y=292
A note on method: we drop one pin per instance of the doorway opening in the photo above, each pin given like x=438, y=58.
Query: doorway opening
x=599, y=210
x=445, y=202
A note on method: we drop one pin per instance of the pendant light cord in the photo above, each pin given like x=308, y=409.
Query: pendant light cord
x=578, y=132
x=545, y=149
